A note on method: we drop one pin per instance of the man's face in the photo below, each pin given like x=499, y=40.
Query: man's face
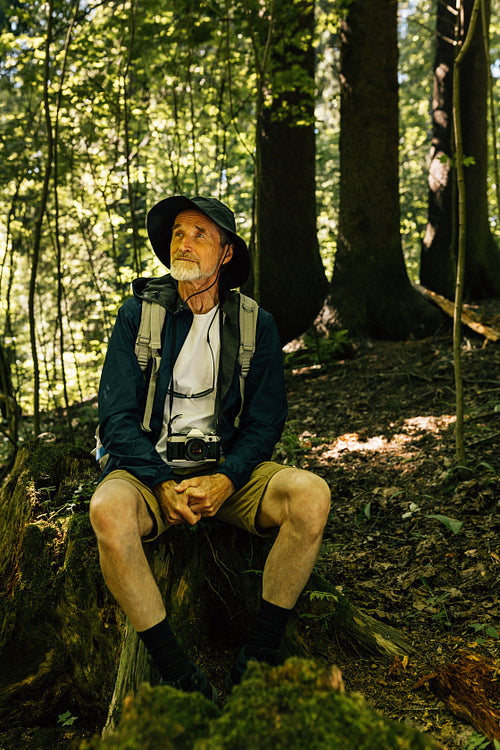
x=195, y=248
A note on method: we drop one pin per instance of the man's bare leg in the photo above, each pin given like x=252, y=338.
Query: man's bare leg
x=120, y=517
x=298, y=502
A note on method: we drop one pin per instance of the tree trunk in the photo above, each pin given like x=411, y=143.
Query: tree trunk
x=62, y=635
x=9, y=408
x=439, y=249
x=291, y=279
x=371, y=292
x=437, y=260
x=482, y=254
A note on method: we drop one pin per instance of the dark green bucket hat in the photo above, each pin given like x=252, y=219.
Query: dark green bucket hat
x=161, y=220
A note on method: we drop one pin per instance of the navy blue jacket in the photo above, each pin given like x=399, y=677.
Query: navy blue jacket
x=123, y=389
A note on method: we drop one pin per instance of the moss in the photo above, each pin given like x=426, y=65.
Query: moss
x=295, y=706
x=56, y=475
x=30, y=621
x=159, y=717
x=44, y=458
x=275, y=708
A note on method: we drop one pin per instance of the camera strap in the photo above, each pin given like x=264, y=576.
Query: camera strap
x=171, y=389
x=216, y=380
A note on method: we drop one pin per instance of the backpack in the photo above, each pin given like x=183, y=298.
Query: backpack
x=148, y=349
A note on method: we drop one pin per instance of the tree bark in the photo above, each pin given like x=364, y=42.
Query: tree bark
x=440, y=244
x=371, y=292
x=291, y=278
x=437, y=260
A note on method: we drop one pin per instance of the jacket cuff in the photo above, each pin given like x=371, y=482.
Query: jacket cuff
x=238, y=471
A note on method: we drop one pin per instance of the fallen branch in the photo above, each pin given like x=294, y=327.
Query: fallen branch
x=469, y=317
x=469, y=689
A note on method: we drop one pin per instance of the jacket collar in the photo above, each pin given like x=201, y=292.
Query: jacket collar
x=162, y=290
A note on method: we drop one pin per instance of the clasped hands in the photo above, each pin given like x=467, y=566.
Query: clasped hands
x=194, y=498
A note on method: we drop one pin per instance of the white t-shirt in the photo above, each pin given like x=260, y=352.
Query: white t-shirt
x=195, y=373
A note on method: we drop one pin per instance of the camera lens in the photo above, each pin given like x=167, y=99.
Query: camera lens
x=196, y=449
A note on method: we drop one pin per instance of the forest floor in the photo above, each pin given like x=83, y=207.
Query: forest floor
x=379, y=426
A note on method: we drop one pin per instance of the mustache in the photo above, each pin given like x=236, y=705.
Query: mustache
x=179, y=255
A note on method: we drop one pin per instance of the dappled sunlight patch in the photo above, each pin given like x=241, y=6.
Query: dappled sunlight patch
x=428, y=424
x=351, y=442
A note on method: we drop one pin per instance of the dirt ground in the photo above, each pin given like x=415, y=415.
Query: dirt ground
x=379, y=426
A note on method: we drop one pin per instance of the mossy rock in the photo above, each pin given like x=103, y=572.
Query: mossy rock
x=291, y=707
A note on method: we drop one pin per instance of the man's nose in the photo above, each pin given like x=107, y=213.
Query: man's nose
x=185, y=244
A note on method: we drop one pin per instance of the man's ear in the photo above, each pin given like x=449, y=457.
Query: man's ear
x=228, y=254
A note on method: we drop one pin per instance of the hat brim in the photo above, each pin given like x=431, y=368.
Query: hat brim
x=160, y=221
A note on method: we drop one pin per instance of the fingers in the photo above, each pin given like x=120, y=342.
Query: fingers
x=204, y=494
x=183, y=486
x=175, y=507
x=188, y=515
x=181, y=513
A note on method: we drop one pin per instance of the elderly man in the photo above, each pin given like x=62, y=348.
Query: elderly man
x=146, y=487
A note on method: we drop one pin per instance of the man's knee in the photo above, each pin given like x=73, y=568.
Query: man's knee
x=309, y=501
x=114, y=510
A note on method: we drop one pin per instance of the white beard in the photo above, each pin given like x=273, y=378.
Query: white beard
x=185, y=271
x=182, y=270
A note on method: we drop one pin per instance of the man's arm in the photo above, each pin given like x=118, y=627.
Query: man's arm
x=121, y=404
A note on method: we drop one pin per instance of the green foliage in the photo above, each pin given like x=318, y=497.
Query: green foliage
x=321, y=595
x=451, y=523
x=437, y=603
x=483, y=629
x=291, y=447
x=416, y=47
x=320, y=351
x=66, y=719
x=467, y=161
x=479, y=742
x=145, y=104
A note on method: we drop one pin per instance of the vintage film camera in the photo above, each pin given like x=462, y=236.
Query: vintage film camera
x=195, y=446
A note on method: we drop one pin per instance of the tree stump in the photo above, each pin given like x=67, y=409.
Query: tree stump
x=210, y=577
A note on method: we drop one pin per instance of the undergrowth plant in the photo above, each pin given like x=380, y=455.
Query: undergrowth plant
x=320, y=351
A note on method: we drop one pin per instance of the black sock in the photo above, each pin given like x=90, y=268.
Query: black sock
x=167, y=655
x=268, y=627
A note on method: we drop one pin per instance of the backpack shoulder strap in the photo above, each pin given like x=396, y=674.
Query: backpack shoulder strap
x=249, y=310
x=148, y=341
x=148, y=348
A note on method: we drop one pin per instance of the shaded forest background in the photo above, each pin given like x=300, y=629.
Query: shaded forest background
x=109, y=106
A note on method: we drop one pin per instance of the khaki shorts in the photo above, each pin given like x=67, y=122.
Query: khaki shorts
x=238, y=510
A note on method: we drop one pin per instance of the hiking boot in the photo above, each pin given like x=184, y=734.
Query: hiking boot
x=196, y=682
x=271, y=656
